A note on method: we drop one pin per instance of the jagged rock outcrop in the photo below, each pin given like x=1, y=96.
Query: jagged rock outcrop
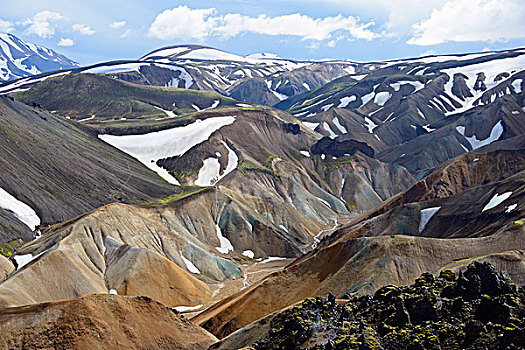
x=478, y=308
x=341, y=148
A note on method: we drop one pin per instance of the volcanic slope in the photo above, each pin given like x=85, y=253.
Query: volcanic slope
x=394, y=247
x=57, y=170
x=420, y=113
x=259, y=79
x=101, y=101
x=100, y=322
x=263, y=198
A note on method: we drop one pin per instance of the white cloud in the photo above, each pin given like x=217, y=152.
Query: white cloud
x=125, y=34
x=183, y=22
x=6, y=26
x=83, y=29
x=116, y=25
x=471, y=20
x=314, y=45
x=43, y=23
x=403, y=14
x=66, y=42
x=331, y=43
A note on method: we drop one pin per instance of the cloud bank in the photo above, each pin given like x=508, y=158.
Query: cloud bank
x=200, y=24
x=471, y=20
x=43, y=23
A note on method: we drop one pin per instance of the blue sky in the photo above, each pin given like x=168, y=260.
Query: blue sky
x=94, y=31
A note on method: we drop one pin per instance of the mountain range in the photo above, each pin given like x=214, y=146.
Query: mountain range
x=205, y=194
x=20, y=59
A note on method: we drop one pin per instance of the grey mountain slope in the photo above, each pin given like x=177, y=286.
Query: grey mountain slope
x=61, y=170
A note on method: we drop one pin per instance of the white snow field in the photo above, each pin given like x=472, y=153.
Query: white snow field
x=226, y=245
x=495, y=134
x=209, y=174
x=150, y=147
x=344, y=101
x=496, y=200
x=426, y=215
x=22, y=211
x=189, y=265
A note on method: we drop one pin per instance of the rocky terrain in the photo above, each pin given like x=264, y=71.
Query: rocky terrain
x=240, y=190
x=477, y=308
x=393, y=245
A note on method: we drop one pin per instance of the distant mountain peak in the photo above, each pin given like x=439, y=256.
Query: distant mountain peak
x=19, y=58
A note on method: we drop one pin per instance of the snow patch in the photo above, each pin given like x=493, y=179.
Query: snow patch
x=187, y=308
x=516, y=84
x=496, y=200
x=22, y=211
x=170, y=114
x=189, y=265
x=426, y=215
x=226, y=245
x=511, y=208
x=333, y=135
x=324, y=202
x=381, y=98
x=248, y=253
x=113, y=292
x=416, y=84
x=280, y=96
x=370, y=125
x=366, y=98
x=86, y=119
x=305, y=153
x=428, y=128
x=22, y=260
x=327, y=107
x=148, y=148
x=271, y=258
x=345, y=101
x=310, y=125
x=209, y=174
x=495, y=134
x=339, y=126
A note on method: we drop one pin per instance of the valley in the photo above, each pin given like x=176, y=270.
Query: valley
x=213, y=194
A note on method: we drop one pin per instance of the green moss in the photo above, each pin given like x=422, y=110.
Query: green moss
x=185, y=191
x=401, y=244
x=519, y=223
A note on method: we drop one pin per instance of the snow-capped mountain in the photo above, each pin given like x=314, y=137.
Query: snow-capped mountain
x=259, y=78
x=20, y=59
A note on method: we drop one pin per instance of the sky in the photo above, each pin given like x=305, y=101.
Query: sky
x=92, y=31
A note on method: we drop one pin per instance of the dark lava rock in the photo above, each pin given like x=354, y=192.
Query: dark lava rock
x=291, y=128
x=476, y=309
x=336, y=148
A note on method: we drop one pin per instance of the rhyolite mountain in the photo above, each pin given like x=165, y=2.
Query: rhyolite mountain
x=20, y=59
x=231, y=188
